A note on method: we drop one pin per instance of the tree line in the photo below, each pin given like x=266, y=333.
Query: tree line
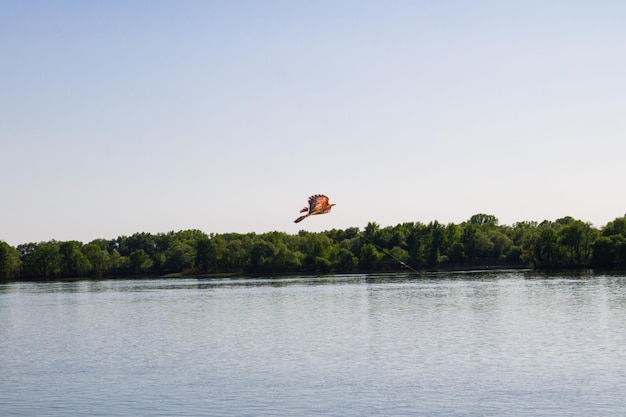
x=479, y=241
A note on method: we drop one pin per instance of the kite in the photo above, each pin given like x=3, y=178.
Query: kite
x=318, y=204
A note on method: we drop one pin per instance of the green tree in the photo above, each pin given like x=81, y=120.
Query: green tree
x=437, y=241
x=203, y=255
x=261, y=256
x=484, y=219
x=609, y=249
x=457, y=255
x=370, y=257
x=395, y=259
x=502, y=244
x=346, y=260
x=615, y=227
x=605, y=251
x=118, y=263
x=452, y=249
x=319, y=251
x=41, y=260
x=98, y=258
x=285, y=260
x=372, y=233
x=73, y=262
x=476, y=242
x=237, y=255
x=9, y=261
x=140, y=261
x=524, y=235
x=547, y=251
x=577, y=238
x=138, y=241
x=178, y=257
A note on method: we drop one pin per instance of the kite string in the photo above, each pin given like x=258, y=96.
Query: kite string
x=386, y=252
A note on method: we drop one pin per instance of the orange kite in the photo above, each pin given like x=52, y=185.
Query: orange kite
x=318, y=204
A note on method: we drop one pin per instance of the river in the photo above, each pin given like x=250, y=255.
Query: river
x=514, y=343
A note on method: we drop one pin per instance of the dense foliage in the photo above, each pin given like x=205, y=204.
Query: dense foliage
x=480, y=241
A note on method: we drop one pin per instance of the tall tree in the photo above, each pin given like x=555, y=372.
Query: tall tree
x=9, y=261
x=547, y=251
x=73, y=262
x=178, y=257
x=484, y=219
x=370, y=257
x=98, y=258
x=140, y=261
x=42, y=260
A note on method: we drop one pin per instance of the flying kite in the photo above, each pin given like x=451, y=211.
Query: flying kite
x=318, y=204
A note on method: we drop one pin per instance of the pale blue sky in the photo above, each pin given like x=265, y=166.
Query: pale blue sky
x=119, y=117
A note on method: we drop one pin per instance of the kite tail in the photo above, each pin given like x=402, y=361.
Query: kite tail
x=299, y=219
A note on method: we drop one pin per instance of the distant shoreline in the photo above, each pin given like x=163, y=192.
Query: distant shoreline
x=477, y=244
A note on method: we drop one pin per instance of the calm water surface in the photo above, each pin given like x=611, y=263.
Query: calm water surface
x=463, y=344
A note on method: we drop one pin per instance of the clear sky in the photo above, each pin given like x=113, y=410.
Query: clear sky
x=119, y=117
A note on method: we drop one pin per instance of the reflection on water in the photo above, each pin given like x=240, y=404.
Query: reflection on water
x=516, y=343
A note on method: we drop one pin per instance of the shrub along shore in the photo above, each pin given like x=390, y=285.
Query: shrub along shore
x=478, y=242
